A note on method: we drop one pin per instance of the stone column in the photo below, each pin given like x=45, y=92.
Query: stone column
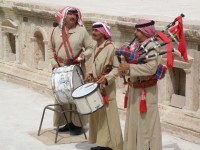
x=167, y=88
x=198, y=111
x=23, y=45
x=5, y=49
x=1, y=44
x=188, y=89
x=46, y=54
x=17, y=49
x=163, y=92
x=31, y=54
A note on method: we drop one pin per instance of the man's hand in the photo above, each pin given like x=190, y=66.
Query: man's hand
x=81, y=57
x=55, y=66
x=123, y=68
x=102, y=80
x=89, y=78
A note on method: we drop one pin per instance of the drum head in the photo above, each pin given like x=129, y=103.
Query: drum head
x=84, y=90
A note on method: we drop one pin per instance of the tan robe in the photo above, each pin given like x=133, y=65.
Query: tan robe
x=78, y=39
x=143, y=130
x=104, y=125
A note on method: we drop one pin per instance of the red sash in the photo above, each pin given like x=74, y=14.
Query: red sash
x=66, y=43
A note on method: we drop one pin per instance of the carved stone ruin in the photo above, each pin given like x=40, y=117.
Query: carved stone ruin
x=24, y=37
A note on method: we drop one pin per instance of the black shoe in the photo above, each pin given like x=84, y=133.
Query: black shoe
x=105, y=148
x=77, y=130
x=66, y=128
x=95, y=148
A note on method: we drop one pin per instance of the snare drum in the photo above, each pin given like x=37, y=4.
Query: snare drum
x=87, y=98
x=64, y=81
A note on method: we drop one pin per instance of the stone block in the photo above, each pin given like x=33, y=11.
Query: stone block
x=41, y=65
x=178, y=101
x=11, y=57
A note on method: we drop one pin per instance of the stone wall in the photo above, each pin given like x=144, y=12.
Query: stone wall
x=24, y=37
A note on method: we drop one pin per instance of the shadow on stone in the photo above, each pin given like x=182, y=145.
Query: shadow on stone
x=174, y=146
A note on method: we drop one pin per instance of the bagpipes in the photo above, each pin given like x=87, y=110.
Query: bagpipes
x=173, y=32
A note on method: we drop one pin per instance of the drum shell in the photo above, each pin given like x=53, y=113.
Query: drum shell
x=64, y=81
x=89, y=103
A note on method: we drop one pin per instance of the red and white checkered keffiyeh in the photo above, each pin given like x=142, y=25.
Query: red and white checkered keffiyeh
x=62, y=13
x=147, y=30
x=104, y=28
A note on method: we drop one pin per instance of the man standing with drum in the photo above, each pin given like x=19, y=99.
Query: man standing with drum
x=104, y=124
x=142, y=128
x=67, y=43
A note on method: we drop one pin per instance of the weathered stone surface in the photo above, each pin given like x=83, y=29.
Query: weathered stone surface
x=183, y=123
x=30, y=66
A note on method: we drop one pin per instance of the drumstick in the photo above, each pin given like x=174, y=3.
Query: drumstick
x=91, y=84
x=98, y=80
x=115, y=67
x=80, y=76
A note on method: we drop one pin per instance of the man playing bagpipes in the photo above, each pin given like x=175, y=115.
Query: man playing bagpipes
x=142, y=128
x=104, y=124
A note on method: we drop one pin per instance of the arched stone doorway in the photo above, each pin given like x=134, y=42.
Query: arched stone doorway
x=11, y=43
x=39, y=51
x=177, y=87
x=39, y=48
x=178, y=81
x=10, y=50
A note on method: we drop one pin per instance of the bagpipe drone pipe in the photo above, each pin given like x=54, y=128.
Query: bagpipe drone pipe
x=173, y=32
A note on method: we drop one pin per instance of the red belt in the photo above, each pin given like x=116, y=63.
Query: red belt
x=140, y=85
x=144, y=83
x=69, y=61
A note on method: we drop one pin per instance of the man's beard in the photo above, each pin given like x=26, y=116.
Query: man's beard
x=71, y=22
x=94, y=37
x=138, y=40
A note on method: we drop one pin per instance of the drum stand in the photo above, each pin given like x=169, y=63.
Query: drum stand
x=62, y=112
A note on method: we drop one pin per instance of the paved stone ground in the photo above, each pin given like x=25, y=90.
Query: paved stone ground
x=21, y=110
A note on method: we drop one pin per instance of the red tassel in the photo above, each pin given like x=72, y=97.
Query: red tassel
x=105, y=96
x=143, y=105
x=105, y=99
x=126, y=98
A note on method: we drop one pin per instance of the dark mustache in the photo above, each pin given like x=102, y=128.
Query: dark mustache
x=72, y=19
x=94, y=35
